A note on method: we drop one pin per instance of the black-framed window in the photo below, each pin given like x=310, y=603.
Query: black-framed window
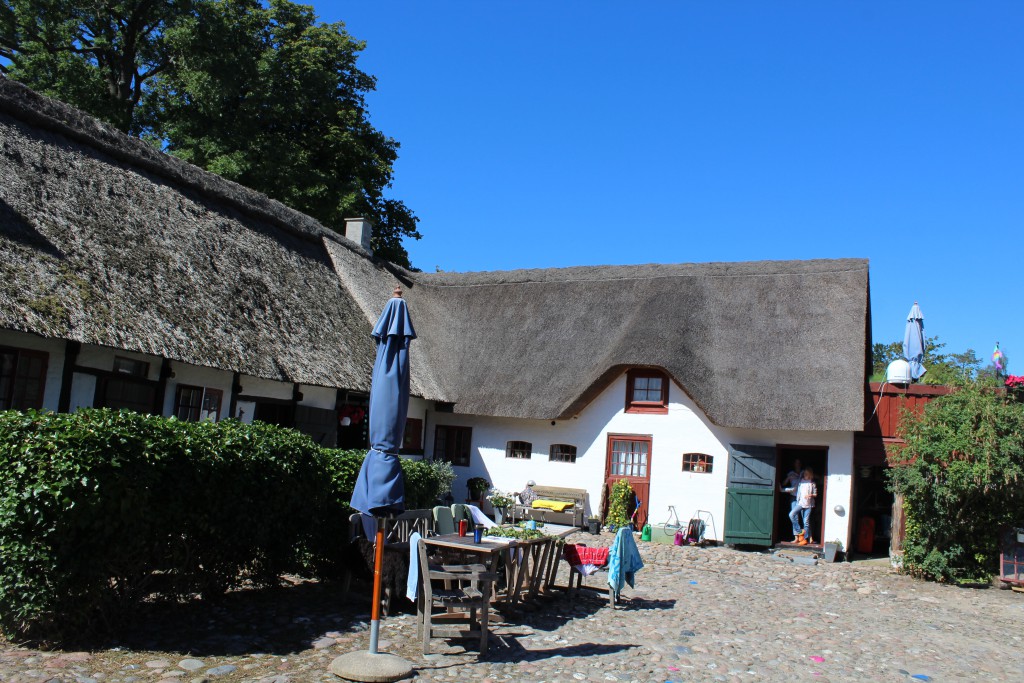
x=698, y=462
x=193, y=404
x=131, y=366
x=520, y=450
x=22, y=378
x=452, y=443
x=562, y=452
x=646, y=391
x=412, y=439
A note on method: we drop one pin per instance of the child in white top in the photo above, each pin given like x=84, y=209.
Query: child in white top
x=806, y=493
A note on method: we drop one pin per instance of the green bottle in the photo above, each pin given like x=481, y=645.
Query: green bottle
x=645, y=534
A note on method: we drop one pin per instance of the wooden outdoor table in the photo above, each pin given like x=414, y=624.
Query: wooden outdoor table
x=532, y=568
x=558, y=532
x=489, y=550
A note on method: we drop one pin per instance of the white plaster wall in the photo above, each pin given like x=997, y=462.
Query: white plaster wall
x=418, y=408
x=102, y=358
x=54, y=362
x=318, y=397
x=267, y=388
x=685, y=429
x=83, y=391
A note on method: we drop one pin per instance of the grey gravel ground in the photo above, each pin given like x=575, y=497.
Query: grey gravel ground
x=697, y=614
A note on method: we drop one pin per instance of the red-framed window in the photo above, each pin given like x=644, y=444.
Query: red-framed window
x=22, y=378
x=452, y=444
x=562, y=452
x=520, y=450
x=193, y=404
x=646, y=391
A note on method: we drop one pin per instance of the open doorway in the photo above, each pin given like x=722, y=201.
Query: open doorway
x=873, y=505
x=788, y=457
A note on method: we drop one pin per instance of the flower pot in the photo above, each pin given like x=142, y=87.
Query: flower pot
x=594, y=526
x=830, y=551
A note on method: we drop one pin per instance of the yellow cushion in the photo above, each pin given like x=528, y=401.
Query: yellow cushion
x=556, y=505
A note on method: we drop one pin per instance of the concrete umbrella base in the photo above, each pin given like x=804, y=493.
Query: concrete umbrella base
x=371, y=667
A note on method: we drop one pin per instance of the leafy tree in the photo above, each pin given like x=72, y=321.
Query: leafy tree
x=98, y=56
x=961, y=474
x=263, y=95
x=882, y=355
x=953, y=369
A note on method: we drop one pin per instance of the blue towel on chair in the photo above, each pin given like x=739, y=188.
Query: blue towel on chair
x=412, y=584
x=623, y=561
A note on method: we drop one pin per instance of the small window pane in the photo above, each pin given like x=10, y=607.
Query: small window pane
x=646, y=392
x=521, y=450
x=189, y=403
x=453, y=444
x=698, y=462
x=130, y=366
x=561, y=452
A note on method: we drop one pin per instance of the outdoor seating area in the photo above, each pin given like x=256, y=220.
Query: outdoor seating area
x=454, y=578
x=555, y=504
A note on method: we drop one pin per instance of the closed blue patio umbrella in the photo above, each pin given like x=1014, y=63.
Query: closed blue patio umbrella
x=913, y=342
x=380, y=486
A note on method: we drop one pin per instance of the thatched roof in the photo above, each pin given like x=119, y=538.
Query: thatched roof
x=111, y=242
x=108, y=241
x=771, y=345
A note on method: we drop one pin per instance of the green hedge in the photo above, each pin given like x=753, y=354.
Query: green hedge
x=961, y=473
x=100, y=510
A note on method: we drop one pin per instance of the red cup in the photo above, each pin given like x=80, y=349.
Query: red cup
x=462, y=527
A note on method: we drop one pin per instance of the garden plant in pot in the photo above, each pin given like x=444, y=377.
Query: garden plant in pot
x=500, y=502
x=477, y=486
x=832, y=549
x=618, y=505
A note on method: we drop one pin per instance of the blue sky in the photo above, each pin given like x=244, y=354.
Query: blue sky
x=545, y=134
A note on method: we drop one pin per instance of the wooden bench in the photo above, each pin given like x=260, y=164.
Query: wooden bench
x=573, y=516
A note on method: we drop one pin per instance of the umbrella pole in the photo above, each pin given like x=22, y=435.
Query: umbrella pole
x=373, y=666
x=378, y=570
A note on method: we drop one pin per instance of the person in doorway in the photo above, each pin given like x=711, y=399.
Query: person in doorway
x=806, y=494
x=790, y=483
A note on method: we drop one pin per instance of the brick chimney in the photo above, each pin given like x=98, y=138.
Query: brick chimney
x=359, y=230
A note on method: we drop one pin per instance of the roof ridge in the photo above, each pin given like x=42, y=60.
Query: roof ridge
x=440, y=279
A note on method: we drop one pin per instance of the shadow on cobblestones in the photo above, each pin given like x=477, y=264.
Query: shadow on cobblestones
x=280, y=621
x=508, y=649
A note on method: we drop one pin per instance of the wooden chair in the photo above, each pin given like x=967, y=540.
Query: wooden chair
x=397, y=531
x=465, y=597
x=444, y=522
x=578, y=554
x=460, y=512
x=400, y=528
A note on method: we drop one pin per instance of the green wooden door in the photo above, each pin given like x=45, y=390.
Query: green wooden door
x=750, y=495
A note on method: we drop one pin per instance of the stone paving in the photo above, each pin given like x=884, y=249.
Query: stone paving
x=697, y=614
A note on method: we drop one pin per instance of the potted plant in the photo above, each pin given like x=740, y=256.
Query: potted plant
x=832, y=549
x=500, y=502
x=618, y=505
x=477, y=486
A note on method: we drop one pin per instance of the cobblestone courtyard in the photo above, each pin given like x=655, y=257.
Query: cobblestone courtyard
x=697, y=614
